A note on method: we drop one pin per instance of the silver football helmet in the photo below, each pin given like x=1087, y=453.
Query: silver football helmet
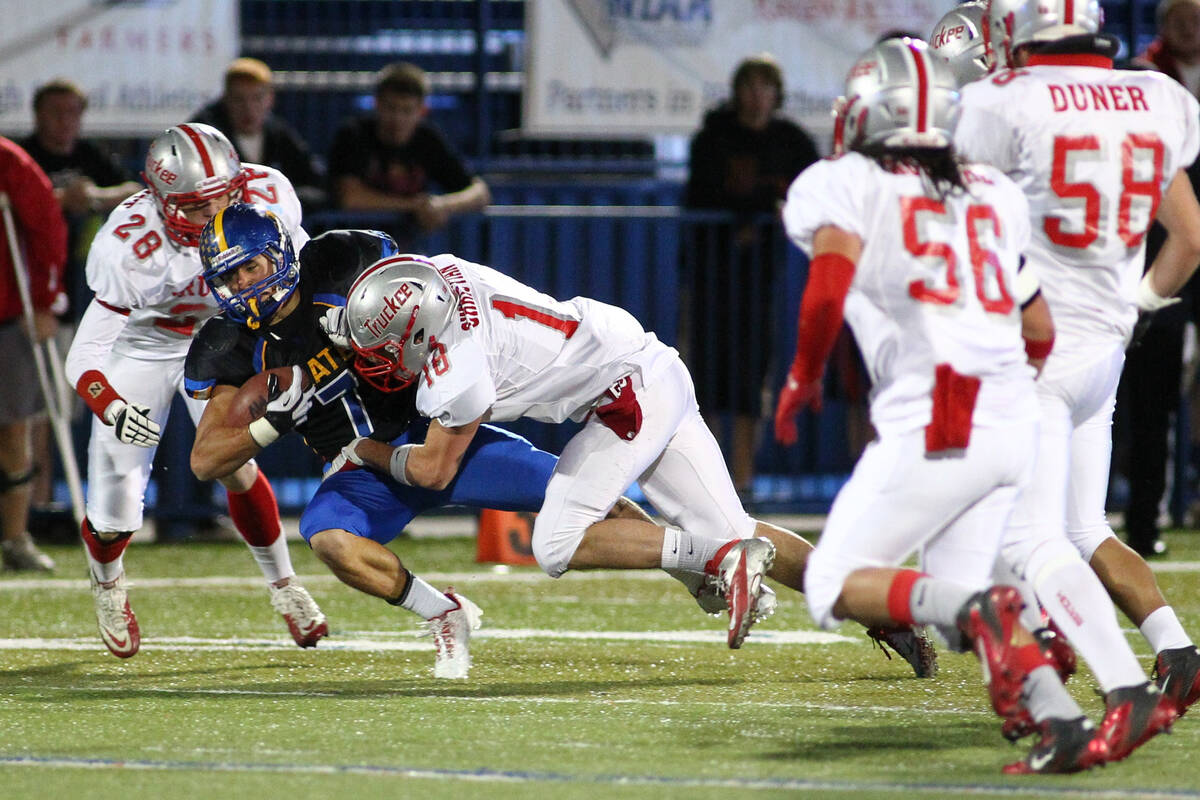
x=958, y=40
x=1011, y=23
x=190, y=164
x=395, y=311
x=897, y=95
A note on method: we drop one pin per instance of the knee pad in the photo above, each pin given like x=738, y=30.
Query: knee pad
x=1089, y=539
x=9, y=482
x=1032, y=559
x=553, y=549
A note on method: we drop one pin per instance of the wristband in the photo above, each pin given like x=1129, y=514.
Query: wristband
x=1150, y=300
x=96, y=391
x=398, y=461
x=1038, y=349
x=262, y=432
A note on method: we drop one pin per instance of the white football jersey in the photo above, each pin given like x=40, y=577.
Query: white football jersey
x=133, y=266
x=1094, y=150
x=936, y=283
x=520, y=353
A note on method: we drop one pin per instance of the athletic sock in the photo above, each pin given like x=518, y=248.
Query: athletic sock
x=915, y=598
x=688, y=551
x=1045, y=696
x=255, y=513
x=274, y=560
x=424, y=600
x=1162, y=630
x=105, y=559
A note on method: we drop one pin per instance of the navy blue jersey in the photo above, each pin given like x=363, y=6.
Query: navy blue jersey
x=229, y=353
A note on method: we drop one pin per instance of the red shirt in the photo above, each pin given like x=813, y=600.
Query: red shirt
x=40, y=227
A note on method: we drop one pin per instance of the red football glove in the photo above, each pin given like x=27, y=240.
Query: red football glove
x=794, y=397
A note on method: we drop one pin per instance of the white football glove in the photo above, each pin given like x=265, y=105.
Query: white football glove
x=133, y=423
x=347, y=459
x=288, y=408
x=335, y=326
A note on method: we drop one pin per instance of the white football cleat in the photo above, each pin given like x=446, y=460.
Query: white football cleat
x=741, y=573
x=118, y=625
x=451, y=632
x=301, y=613
x=712, y=600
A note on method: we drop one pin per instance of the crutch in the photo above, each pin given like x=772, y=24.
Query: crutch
x=57, y=402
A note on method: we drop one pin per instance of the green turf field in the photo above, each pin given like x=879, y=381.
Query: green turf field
x=595, y=685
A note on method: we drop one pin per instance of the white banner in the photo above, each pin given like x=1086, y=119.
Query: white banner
x=646, y=67
x=145, y=64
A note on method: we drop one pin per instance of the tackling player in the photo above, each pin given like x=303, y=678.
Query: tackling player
x=1100, y=154
x=126, y=362
x=273, y=302
x=921, y=253
x=479, y=345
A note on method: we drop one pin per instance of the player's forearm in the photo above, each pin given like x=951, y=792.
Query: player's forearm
x=220, y=451
x=1174, y=264
x=412, y=465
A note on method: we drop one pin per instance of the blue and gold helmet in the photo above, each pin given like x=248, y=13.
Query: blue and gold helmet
x=233, y=238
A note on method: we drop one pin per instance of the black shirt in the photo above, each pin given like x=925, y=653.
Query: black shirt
x=743, y=170
x=85, y=160
x=229, y=353
x=404, y=170
x=282, y=148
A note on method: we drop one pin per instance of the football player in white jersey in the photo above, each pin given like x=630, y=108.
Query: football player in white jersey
x=1100, y=154
x=127, y=360
x=958, y=40
x=482, y=346
x=920, y=253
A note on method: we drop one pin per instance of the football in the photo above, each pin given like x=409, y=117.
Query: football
x=250, y=402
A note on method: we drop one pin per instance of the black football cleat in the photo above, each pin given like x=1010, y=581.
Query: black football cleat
x=1177, y=673
x=910, y=643
x=1067, y=745
x=1133, y=714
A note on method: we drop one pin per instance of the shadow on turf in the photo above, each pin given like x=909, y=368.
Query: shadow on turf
x=85, y=683
x=848, y=743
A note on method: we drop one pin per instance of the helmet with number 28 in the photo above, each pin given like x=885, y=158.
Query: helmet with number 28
x=957, y=39
x=189, y=165
x=395, y=311
x=897, y=96
x=229, y=242
x=1012, y=23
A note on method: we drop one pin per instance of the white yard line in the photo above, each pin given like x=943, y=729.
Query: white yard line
x=481, y=574
x=530, y=777
x=380, y=642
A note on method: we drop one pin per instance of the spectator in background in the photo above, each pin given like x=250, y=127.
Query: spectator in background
x=387, y=160
x=88, y=183
x=1150, y=383
x=43, y=232
x=86, y=180
x=243, y=113
x=741, y=161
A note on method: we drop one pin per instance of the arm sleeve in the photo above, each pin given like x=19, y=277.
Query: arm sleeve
x=40, y=223
x=94, y=338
